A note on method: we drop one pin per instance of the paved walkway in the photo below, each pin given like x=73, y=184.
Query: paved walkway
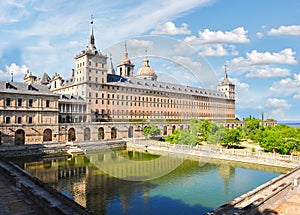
x=13, y=201
x=290, y=205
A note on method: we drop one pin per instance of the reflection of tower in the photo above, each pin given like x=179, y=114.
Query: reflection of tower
x=226, y=172
x=146, y=193
x=79, y=190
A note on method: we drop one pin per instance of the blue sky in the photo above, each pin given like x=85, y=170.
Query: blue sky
x=188, y=42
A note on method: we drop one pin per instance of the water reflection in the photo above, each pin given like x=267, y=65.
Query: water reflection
x=193, y=188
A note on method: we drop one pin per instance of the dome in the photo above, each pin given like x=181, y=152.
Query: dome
x=146, y=72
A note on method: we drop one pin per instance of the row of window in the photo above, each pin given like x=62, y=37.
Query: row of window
x=18, y=120
x=8, y=102
x=90, y=64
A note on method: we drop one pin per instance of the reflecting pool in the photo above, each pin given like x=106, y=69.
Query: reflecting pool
x=105, y=184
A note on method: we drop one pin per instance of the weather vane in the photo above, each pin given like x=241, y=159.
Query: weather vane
x=92, y=18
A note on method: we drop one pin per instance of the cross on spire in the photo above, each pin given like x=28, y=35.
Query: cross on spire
x=92, y=18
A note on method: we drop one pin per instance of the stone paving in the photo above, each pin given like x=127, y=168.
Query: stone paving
x=290, y=205
x=13, y=201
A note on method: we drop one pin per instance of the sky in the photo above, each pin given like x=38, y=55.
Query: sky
x=187, y=42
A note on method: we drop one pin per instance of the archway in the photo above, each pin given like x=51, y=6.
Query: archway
x=173, y=129
x=20, y=137
x=87, y=134
x=165, y=130
x=101, y=133
x=47, y=136
x=130, y=132
x=113, y=133
x=71, y=134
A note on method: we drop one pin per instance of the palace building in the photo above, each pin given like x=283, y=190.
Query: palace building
x=125, y=97
x=98, y=103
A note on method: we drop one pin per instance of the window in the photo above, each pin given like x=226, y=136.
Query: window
x=19, y=102
x=30, y=120
x=19, y=120
x=7, y=120
x=47, y=103
x=30, y=102
x=8, y=101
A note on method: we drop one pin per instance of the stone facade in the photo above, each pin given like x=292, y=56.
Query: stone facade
x=28, y=113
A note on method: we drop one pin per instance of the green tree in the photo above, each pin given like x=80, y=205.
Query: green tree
x=154, y=131
x=232, y=137
x=218, y=135
x=147, y=130
x=207, y=128
x=173, y=138
x=251, y=128
x=188, y=138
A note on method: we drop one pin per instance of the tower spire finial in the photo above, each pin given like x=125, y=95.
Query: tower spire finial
x=12, y=76
x=92, y=18
x=225, y=72
x=91, y=44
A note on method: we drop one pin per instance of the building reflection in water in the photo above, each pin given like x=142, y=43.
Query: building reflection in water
x=80, y=177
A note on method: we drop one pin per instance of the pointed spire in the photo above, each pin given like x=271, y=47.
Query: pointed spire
x=225, y=72
x=226, y=80
x=112, y=70
x=125, y=59
x=91, y=45
x=146, y=60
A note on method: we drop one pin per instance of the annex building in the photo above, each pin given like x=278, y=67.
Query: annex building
x=98, y=102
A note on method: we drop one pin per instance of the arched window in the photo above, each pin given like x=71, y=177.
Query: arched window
x=71, y=134
x=87, y=134
x=130, y=132
x=47, y=136
x=101, y=133
x=19, y=137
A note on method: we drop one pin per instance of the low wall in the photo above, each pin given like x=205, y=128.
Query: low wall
x=48, y=199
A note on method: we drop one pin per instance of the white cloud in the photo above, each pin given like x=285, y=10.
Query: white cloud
x=187, y=63
x=276, y=107
x=286, y=56
x=17, y=71
x=169, y=28
x=267, y=72
x=13, y=10
x=217, y=50
x=288, y=86
x=241, y=85
x=140, y=44
x=259, y=35
x=293, y=30
x=237, y=35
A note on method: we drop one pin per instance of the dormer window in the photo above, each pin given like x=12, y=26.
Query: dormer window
x=30, y=87
x=10, y=86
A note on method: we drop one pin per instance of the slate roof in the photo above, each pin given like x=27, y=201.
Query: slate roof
x=22, y=88
x=117, y=80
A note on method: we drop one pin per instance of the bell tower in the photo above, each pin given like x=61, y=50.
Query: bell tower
x=226, y=86
x=125, y=68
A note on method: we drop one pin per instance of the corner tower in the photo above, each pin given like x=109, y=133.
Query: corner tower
x=226, y=86
x=91, y=65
